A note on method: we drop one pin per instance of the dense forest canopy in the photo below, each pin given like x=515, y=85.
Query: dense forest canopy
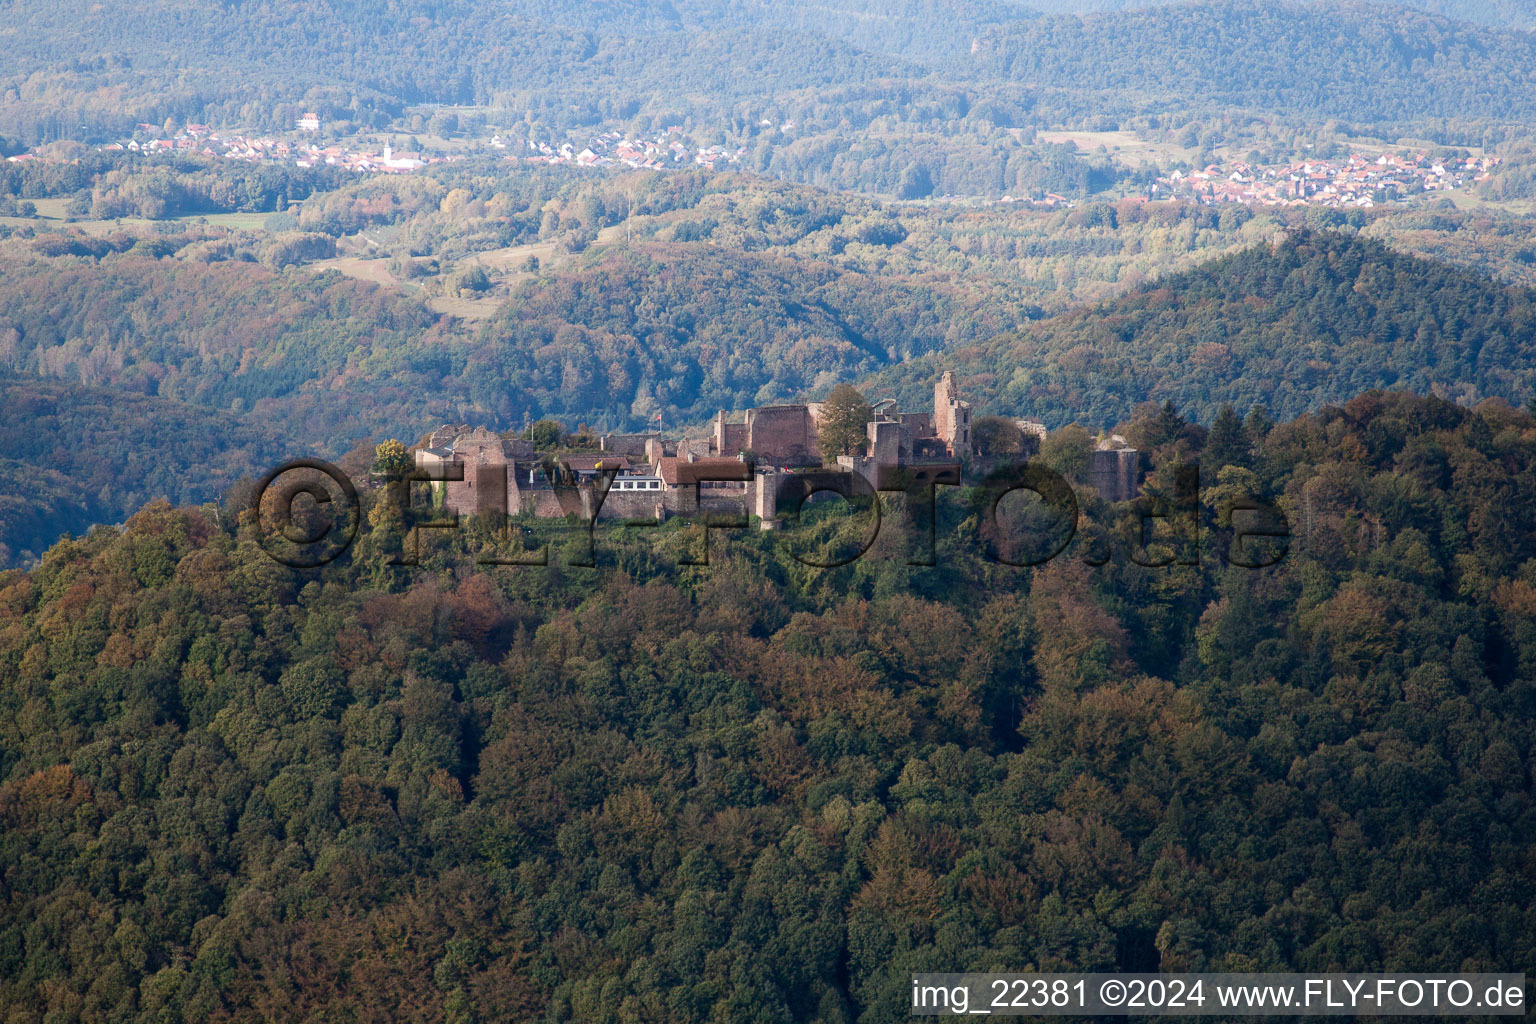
x=748, y=791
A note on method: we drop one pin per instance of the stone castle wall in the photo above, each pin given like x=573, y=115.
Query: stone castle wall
x=630, y=505
x=783, y=433
x=631, y=445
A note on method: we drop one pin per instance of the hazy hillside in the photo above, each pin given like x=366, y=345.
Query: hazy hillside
x=935, y=31
x=1357, y=61
x=684, y=328
x=386, y=56
x=732, y=291
x=567, y=59
x=1498, y=13
x=227, y=335
x=690, y=329
x=1295, y=326
x=73, y=456
x=107, y=65
x=1519, y=14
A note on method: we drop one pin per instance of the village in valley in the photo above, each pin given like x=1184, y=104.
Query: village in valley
x=1358, y=180
x=671, y=147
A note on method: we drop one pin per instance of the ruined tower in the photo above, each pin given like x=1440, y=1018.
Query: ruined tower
x=952, y=417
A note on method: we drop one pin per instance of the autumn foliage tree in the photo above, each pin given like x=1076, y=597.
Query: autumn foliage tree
x=841, y=428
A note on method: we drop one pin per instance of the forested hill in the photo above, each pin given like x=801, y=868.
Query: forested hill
x=680, y=328
x=689, y=329
x=105, y=65
x=1358, y=61
x=1293, y=325
x=749, y=793
x=73, y=456
x=231, y=63
x=1519, y=14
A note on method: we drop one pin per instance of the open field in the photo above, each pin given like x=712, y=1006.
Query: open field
x=232, y=221
x=464, y=307
x=50, y=214
x=1352, y=144
x=505, y=268
x=52, y=209
x=1423, y=144
x=1467, y=199
x=363, y=269
x=510, y=261
x=1122, y=146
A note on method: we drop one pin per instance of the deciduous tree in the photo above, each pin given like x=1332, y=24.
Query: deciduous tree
x=841, y=430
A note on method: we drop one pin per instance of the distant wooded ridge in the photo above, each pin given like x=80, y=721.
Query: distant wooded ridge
x=75, y=70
